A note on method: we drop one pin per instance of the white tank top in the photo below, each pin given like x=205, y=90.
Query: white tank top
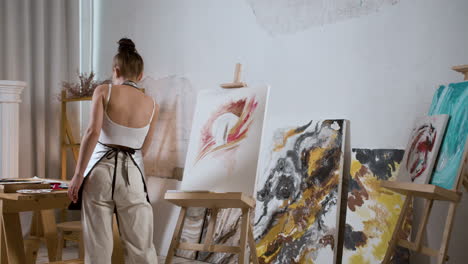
x=115, y=134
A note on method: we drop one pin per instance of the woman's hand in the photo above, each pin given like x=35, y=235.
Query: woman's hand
x=74, y=187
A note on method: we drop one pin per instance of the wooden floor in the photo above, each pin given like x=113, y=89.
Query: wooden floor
x=71, y=252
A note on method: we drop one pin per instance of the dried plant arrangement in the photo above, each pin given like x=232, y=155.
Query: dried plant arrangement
x=83, y=88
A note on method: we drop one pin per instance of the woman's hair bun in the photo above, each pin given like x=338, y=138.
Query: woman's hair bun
x=126, y=45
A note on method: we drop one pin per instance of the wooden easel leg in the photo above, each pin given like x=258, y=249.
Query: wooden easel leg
x=243, y=236
x=253, y=248
x=396, y=232
x=211, y=228
x=50, y=232
x=176, y=235
x=447, y=232
x=422, y=226
x=71, y=139
x=63, y=157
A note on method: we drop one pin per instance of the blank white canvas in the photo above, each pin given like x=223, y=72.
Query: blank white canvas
x=176, y=99
x=226, y=167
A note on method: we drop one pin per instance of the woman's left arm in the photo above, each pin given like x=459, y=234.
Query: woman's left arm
x=89, y=140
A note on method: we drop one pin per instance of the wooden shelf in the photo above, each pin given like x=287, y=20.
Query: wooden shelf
x=210, y=200
x=428, y=191
x=233, y=85
x=78, y=99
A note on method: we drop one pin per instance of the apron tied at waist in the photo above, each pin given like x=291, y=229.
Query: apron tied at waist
x=113, y=153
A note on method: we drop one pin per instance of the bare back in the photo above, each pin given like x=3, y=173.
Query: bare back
x=129, y=106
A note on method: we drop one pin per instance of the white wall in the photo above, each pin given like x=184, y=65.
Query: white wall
x=378, y=70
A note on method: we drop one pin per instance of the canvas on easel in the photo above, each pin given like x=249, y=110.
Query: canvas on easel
x=298, y=192
x=225, y=140
x=422, y=149
x=451, y=99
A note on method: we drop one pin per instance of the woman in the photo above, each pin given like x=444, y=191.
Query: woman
x=109, y=176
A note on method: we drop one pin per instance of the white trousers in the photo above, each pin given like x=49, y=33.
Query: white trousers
x=134, y=214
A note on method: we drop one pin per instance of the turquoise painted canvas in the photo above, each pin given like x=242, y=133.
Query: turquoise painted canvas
x=451, y=99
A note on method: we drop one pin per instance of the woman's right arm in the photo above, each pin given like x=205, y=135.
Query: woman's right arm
x=89, y=140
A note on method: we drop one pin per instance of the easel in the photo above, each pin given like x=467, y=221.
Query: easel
x=66, y=136
x=67, y=140
x=215, y=202
x=430, y=193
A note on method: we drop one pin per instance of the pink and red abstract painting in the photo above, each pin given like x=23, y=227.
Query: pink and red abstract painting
x=227, y=126
x=225, y=140
x=422, y=149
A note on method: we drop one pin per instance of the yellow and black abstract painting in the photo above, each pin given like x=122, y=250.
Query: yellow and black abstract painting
x=298, y=194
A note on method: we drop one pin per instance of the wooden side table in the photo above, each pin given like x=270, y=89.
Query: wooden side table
x=11, y=204
x=213, y=201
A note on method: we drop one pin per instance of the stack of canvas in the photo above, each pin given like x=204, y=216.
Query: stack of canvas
x=300, y=175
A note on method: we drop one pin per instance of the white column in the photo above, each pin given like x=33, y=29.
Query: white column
x=10, y=97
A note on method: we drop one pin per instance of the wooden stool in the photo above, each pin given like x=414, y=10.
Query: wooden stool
x=213, y=201
x=76, y=235
x=43, y=230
